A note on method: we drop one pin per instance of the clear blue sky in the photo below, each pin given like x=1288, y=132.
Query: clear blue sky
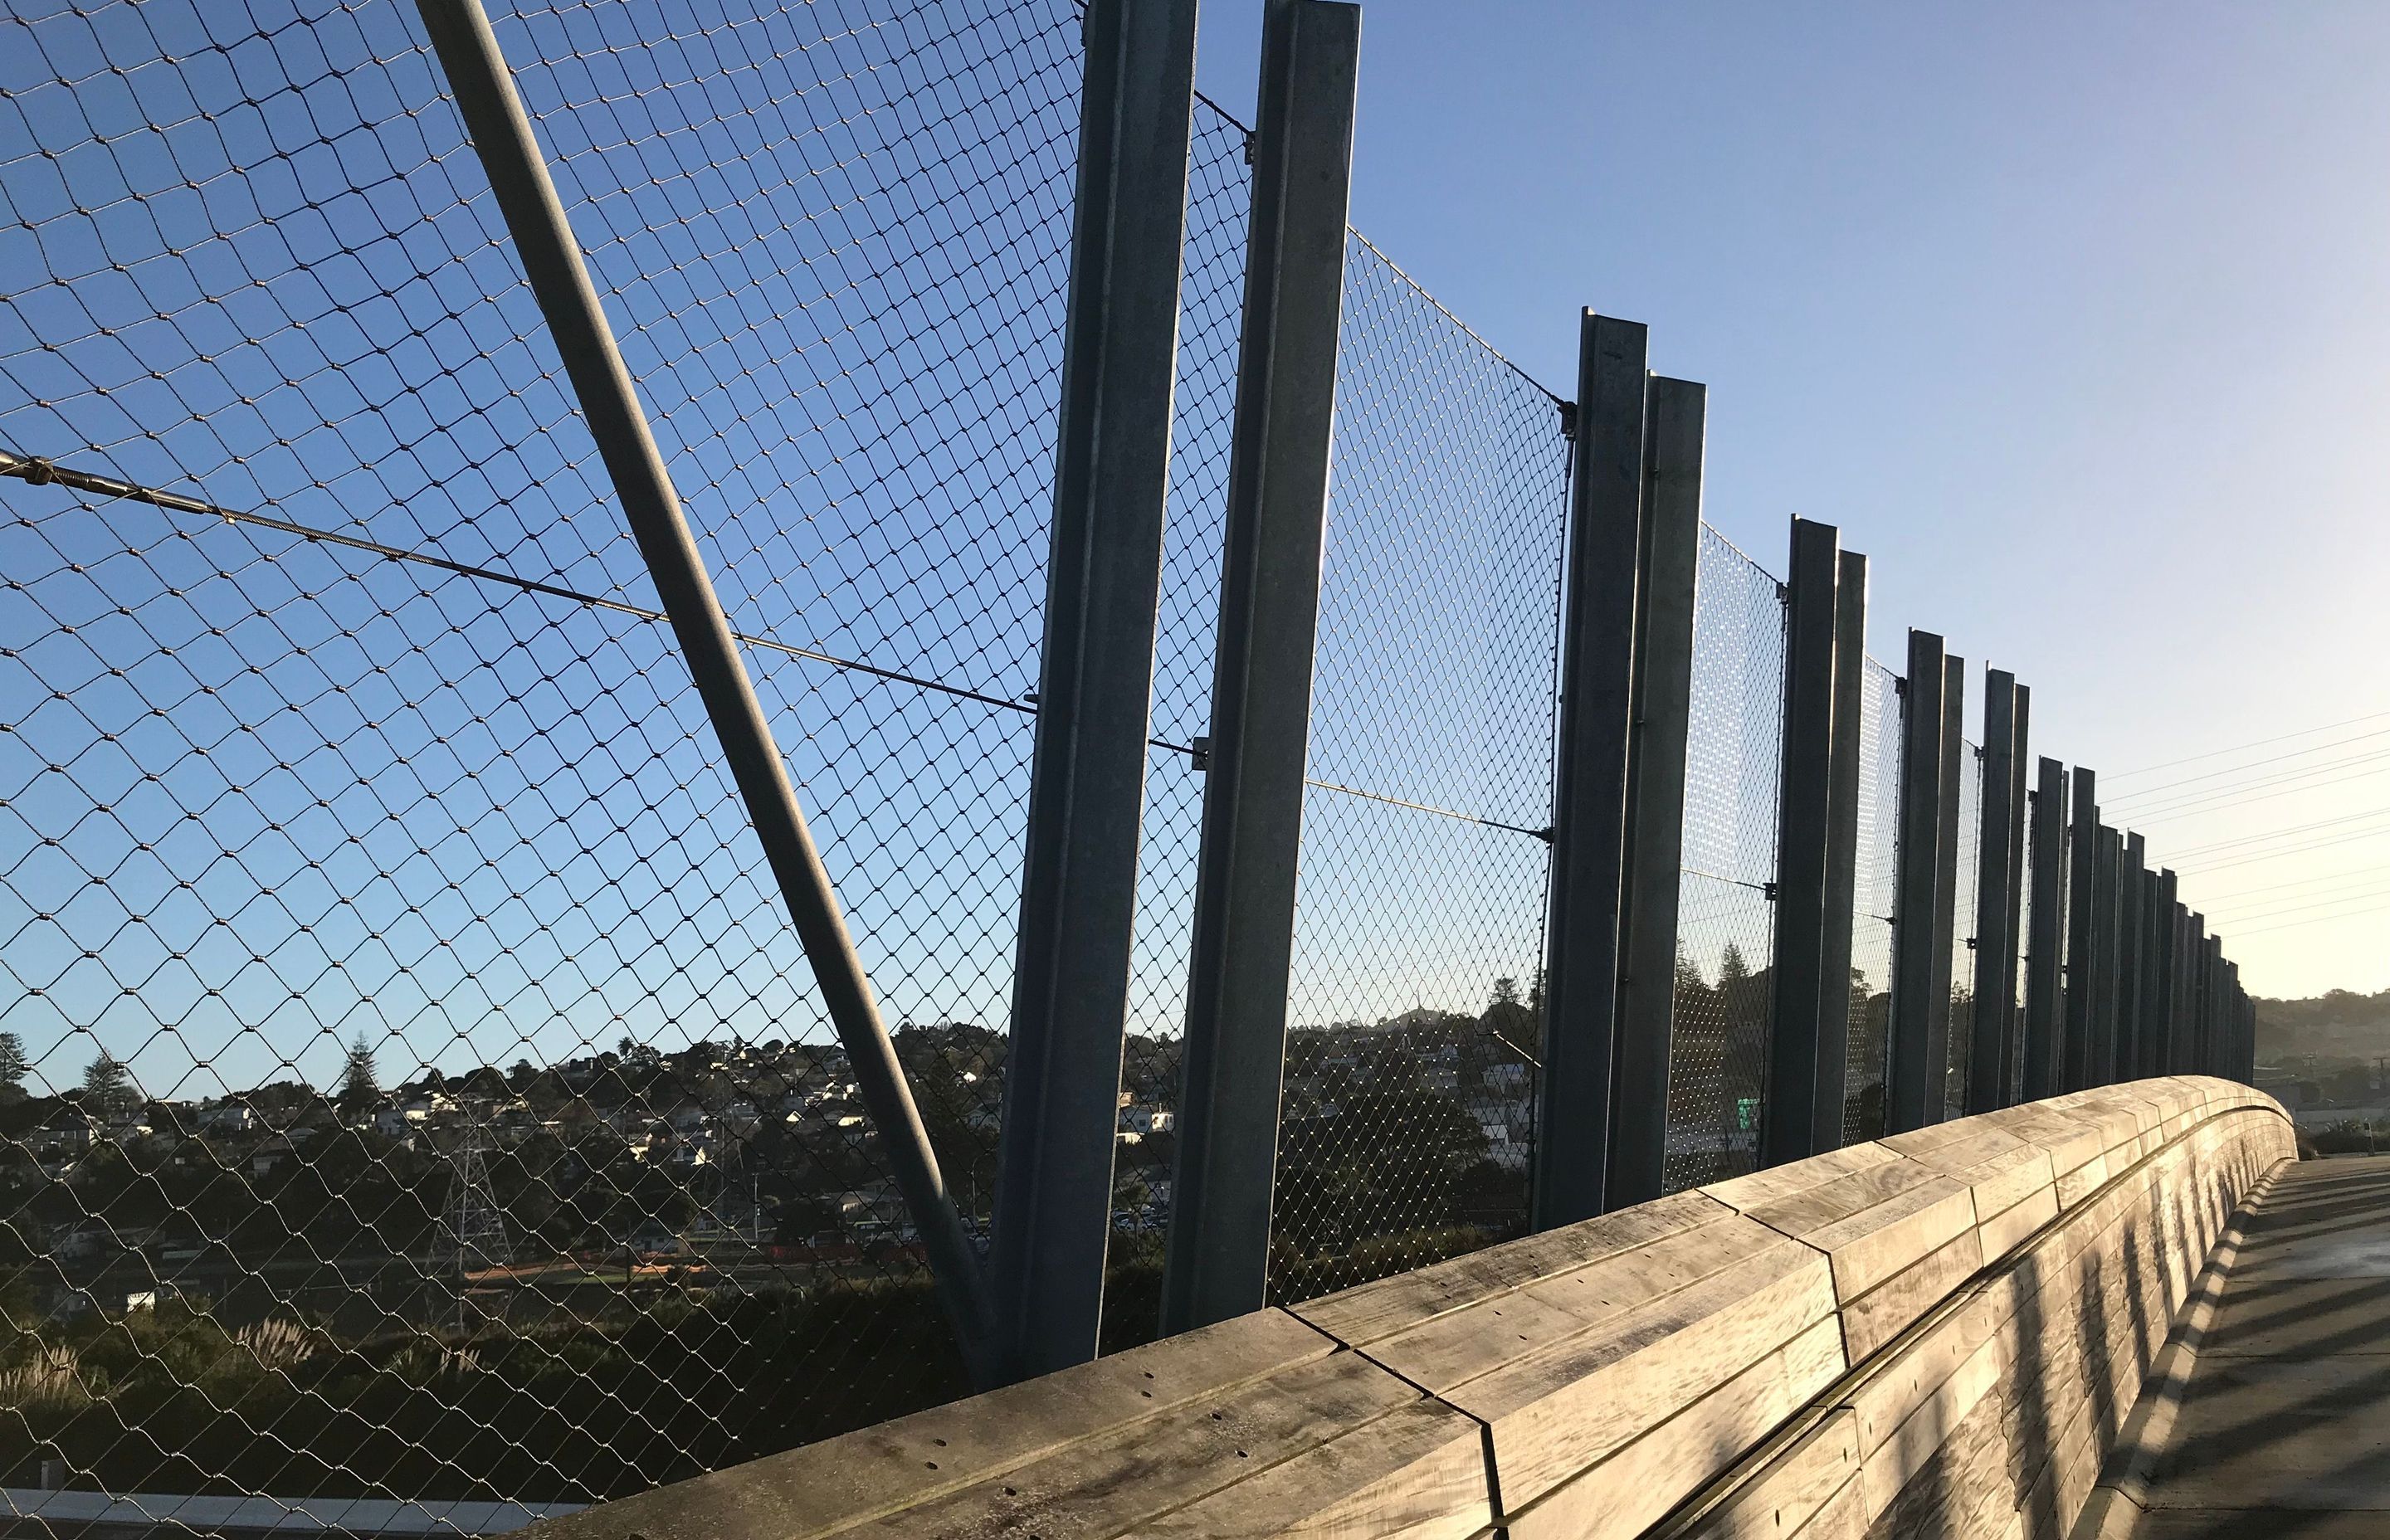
x=2077, y=319
x=2075, y=325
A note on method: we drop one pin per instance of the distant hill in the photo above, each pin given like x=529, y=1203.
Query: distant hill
x=2341, y=1024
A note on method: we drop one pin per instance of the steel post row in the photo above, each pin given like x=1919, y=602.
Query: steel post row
x=1241, y=948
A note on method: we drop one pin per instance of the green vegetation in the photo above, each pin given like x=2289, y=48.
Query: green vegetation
x=651, y=1390
x=2337, y=1026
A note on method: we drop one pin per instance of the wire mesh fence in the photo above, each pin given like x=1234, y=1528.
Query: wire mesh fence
x=378, y=664
x=2022, y=872
x=426, y=1098
x=1878, y=864
x=1725, y=917
x=423, y=1097
x=1409, y=1094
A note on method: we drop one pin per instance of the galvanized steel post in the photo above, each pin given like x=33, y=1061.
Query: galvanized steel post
x=2044, y=1014
x=1841, y=853
x=2127, y=961
x=2106, y=1047
x=1913, y=1079
x=1674, y=417
x=2171, y=922
x=1790, y=1106
x=1581, y=936
x=2012, y=1050
x=1241, y=946
x=2083, y=935
x=1995, y=955
x=1957, y=763
x=1086, y=778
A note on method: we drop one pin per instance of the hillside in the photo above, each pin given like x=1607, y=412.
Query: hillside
x=2340, y=1024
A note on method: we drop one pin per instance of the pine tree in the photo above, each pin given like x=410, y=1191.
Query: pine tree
x=360, y=1087
x=12, y=1067
x=108, y=1089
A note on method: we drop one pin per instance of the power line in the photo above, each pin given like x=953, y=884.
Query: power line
x=2278, y=907
x=2194, y=808
x=2260, y=743
x=2159, y=791
x=2293, y=850
x=2366, y=874
x=2316, y=920
x=2180, y=856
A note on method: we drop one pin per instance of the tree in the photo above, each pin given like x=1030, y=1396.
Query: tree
x=360, y=1086
x=1505, y=991
x=12, y=1067
x=108, y=1089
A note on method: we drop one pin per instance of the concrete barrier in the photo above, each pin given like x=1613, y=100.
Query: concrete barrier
x=1934, y=1333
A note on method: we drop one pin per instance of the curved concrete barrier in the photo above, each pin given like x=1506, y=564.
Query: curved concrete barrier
x=1934, y=1333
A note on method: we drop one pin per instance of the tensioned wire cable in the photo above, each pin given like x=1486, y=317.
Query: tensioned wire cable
x=41, y=473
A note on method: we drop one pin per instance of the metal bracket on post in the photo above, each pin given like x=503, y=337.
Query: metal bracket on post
x=1790, y=1112
x=2083, y=935
x=1914, y=1082
x=1995, y=981
x=1243, y=941
x=527, y=200
x=1087, y=779
x=1841, y=853
x=2044, y=1023
x=1956, y=764
x=1588, y=862
x=1655, y=789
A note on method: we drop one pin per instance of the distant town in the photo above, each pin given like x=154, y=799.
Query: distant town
x=727, y=1156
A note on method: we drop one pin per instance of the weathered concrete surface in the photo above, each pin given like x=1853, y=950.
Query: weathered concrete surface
x=2284, y=1422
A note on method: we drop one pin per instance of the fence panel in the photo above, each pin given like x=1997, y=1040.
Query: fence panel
x=1726, y=917
x=427, y=1098
x=1420, y=929
x=1970, y=771
x=1878, y=867
x=1212, y=297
